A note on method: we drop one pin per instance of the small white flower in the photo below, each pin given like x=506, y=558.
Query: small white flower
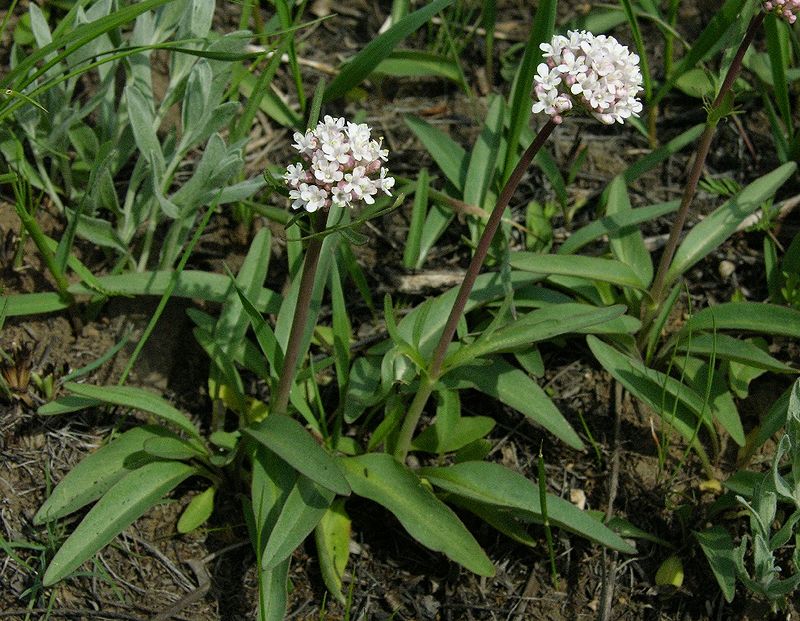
x=314, y=197
x=295, y=173
x=385, y=183
x=305, y=143
x=327, y=172
x=345, y=166
x=593, y=73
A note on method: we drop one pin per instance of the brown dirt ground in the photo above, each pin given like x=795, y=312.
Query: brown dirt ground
x=209, y=574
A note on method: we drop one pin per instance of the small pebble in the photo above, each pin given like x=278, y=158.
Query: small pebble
x=726, y=268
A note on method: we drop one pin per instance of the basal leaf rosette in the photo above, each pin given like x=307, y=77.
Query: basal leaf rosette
x=341, y=165
x=786, y=10
x=596, y=74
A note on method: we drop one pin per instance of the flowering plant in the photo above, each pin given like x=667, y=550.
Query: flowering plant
x=341, y=166
x=595, y=73
x=784, y=9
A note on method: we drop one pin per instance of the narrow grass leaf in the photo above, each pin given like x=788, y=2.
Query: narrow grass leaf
x=233, y=321
x=708, y=40
x=778, y=43
x=519, y=103
x=483, y=157
x=121, y=505
x=378, y=477
x=411, y=253
x=363, y=63
x=627, y=245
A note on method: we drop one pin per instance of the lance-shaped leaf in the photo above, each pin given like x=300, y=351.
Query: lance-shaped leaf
x=332, y=536
x=590, y=268
x=750, y=316
x=497, y=485
x=723, y=222
x=427, y=519
x=513, y=387
x=533, y=327
x=304, y=507
x=96, y=473
x=126, y=501
x=137, y=399
x=288, y=439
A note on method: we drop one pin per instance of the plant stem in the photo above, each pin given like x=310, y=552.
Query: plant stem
x=280, y=401
x=656, y=293
x=30, y=225
x=426, y=387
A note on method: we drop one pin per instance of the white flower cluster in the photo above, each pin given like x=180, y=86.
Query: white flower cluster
x=596, y=73
x=786, y=10
x=343, y=166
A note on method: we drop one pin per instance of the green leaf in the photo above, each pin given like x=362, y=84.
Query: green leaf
x=189, y=284
x=172, y=448
x=465, y=431
x=411, y=254
x=730, y=348
x=67, y=404
x=332, y=536
x=304, y=507
x=590, y=268
x=535, y=326
x=232, y=324
x=288, y=439
x=723, y=222
x=627, y=245
x=519, y=102
x=483, y=158
x=378, y=477
x=363, y=63
x=121, y=505
x=447, y=153
x=514, y=388
x=415, y=63
x=96, y=473
x=718, y=547
x=678, y=406
x=137, y=399
x=197, y=511
x=697, y=83
x=708, y=40
x=749, y=316
x=494, y=484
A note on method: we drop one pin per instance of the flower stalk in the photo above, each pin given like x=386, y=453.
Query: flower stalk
x=280, y=401
x=657, y=290
x=429, y=379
